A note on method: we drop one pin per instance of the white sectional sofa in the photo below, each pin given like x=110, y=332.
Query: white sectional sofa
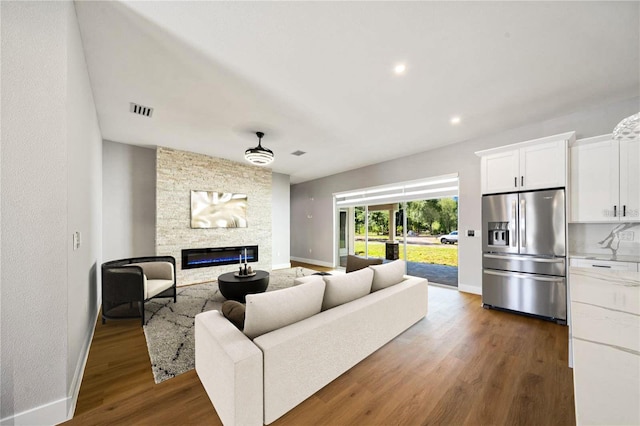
x=251, y=382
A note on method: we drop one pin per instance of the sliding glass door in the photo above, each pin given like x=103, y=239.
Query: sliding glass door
x=405, y=221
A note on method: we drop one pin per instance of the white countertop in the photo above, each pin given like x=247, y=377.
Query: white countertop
x=601, y=256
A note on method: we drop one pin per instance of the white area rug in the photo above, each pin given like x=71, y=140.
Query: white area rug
x=169, y=326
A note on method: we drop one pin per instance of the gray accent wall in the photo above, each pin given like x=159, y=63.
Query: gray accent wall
x=312, y=202
x=280, y=219
x=129, y=201
x=51, y=188
x=180, y=172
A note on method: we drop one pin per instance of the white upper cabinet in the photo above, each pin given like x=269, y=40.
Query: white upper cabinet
x=630, y=179
x=500, y=171
x=536, y=164
x=605, y=183
x=544, y=165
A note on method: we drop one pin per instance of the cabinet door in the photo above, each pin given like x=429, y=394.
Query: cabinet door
x=499, y=172
x=543, y=165
x=630, y=180
x=594, y=182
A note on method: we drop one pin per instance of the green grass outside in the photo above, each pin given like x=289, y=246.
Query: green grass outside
x=436, y=254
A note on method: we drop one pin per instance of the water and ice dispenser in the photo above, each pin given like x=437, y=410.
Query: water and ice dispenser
x=498, y=234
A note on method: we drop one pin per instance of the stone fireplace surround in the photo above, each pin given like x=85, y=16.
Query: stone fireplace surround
x=179, y=172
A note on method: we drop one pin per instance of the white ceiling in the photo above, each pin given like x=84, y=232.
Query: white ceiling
x=318, y=76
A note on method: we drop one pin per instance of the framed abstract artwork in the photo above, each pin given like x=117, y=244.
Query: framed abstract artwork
x=211, y=209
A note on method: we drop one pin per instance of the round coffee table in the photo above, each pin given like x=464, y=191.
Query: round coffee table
x=236, y=288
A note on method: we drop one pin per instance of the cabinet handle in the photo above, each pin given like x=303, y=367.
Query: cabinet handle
x=624, y=210
x=615, y=211
x=515, y=181
x=601, y=266
x=521, y=180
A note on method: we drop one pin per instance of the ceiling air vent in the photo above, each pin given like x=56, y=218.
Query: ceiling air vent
x=298, y=153
x=140, y=109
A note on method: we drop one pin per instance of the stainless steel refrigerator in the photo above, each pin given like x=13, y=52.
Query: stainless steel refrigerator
x=524, y=256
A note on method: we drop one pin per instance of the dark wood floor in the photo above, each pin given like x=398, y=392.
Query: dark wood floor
x=462, y=364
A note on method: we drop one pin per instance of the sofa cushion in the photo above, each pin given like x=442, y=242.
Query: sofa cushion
x=355, y=263
x=269, y=311
x=154, y=287
x=345, y=288
x=309, y=278
x=234, y=312
x=387, y=274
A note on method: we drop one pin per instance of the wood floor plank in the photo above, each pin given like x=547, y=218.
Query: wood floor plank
x=460, y=365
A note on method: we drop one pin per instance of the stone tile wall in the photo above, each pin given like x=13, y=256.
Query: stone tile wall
x=179, y=172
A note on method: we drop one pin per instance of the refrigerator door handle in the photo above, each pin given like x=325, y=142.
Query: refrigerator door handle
x=527, y=258
x=530, y=276
x=523, y=224
x=512, y=223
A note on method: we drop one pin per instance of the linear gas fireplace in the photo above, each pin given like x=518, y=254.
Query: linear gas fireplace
x=216, y=256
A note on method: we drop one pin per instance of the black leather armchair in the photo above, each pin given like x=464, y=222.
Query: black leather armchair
x=128, y=283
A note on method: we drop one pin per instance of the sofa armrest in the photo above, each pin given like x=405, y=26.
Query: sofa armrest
x=229, y=366
x=122, y=284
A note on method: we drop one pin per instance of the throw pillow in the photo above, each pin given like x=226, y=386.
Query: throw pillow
x=387, y=274
x=355, y=263
x=345, y=288
x=234, y=312
x=269, y=311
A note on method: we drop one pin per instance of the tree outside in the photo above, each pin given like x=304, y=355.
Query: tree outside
x=423, y=216
x=432, y=216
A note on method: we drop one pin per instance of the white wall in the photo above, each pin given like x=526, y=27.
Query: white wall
x=50, y=188
x=280, y=220
x=311, y=202
x=129, y=201
x=84, y=208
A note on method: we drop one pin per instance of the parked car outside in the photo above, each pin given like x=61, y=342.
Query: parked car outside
x=451, y=238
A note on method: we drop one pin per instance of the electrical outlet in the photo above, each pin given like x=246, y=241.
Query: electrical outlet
x=471, y=233
x=626, y=236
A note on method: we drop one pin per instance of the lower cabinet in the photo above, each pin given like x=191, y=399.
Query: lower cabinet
x=605, y=330
x=606, y=391
x=605, y=264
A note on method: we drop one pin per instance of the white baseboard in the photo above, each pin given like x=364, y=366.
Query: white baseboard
x=313, y=261
x=470, y=289
x=48, y=414
x=281, y=266
x=74, y=389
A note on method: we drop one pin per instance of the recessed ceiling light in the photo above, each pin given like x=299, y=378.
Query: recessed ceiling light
x=455, y=120
x=400, y=68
